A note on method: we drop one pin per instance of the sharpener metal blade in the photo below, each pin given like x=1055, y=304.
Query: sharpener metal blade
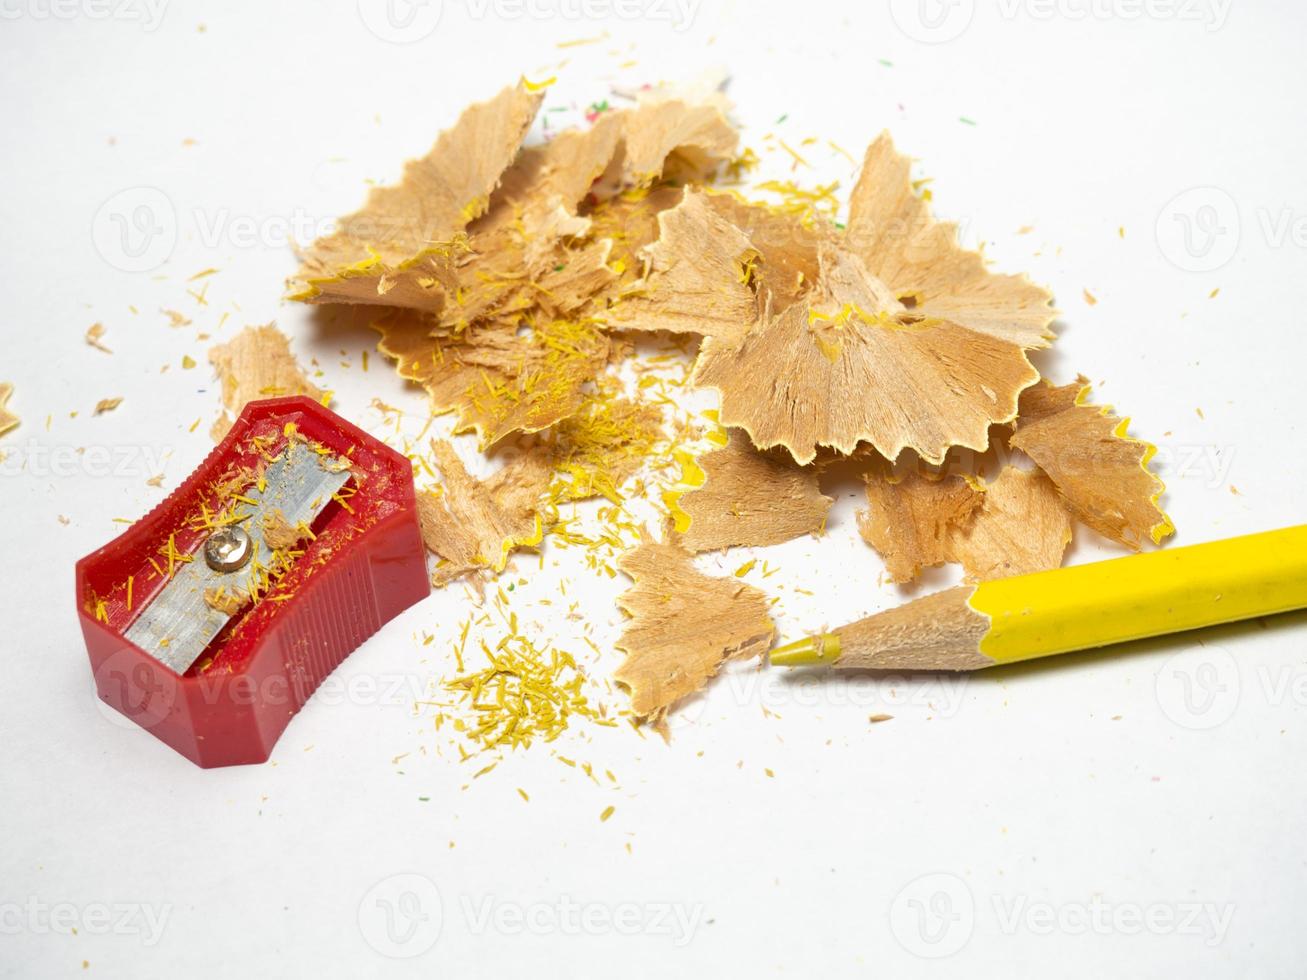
x=177, y=626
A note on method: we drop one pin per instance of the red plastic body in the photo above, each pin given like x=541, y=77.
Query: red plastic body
x=365, y=565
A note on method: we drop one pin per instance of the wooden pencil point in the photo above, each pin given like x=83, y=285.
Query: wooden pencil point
x=1083, y=607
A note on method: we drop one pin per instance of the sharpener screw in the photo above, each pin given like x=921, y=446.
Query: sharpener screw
x=228, y=549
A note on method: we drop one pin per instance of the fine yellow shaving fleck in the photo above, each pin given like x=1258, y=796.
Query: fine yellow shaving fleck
x=600, y=447
x=526, y=693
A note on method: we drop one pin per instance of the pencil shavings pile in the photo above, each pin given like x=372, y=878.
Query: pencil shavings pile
x=1087, y=469
x=510, y=281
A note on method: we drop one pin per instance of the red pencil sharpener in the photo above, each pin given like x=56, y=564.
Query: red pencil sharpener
x=210, y=626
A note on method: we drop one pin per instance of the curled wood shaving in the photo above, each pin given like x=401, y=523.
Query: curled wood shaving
x=476, y=524
x=751, y=498
x=891, y=229
x=8, y=420
x=1100, y=470
x=698, y=278
x=256, y=363
x=577, y=278
x=912, y=517
x=556, y=175
x=107, y=405
x=788, y=249
x=534, y=249
x=684, y=625
x=1022, y=526
x=439, y=195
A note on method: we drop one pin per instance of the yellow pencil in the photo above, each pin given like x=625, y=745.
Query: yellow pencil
x=1078, y=608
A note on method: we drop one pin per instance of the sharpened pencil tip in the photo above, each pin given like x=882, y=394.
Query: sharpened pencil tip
x=822, y=649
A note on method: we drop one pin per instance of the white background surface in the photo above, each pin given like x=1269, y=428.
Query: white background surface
x=1086, y=818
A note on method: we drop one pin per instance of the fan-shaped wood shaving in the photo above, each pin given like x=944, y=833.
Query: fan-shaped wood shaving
x=912, y=517
x=521, y=239
x=256, y=363
x=559, y=172
x=789, y=249
x=919, y=259
x=905, y=342
x=851, y=365
x=8, y=420
x=576, y=279
x=499, y=377
x=668, y=137
x=630, y=222
x=1100, y=470
x=684, y=625
x=698, y=277
x=475, y=524
x=436, y=199
x=1022, y=526
x=751, y=498
x=1042, y=401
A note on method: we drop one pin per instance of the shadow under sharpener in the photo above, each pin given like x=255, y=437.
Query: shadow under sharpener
x=364, y=565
